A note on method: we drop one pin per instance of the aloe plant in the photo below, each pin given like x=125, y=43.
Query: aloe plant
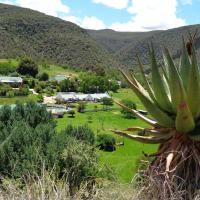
x=173, y=101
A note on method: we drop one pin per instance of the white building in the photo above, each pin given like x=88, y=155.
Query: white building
x=63, y=96
x=13, y=81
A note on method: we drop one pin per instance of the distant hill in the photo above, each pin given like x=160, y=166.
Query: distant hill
x=27, y=32
x=125, y=45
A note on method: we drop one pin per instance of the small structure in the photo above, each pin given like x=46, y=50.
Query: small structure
x=12, y=81
x=59, y=78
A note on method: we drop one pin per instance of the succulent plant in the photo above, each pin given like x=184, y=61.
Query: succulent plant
x=173, y=103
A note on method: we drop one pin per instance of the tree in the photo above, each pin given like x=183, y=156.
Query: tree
x=43, y=76
x=127, y=113
x=71, y=112
x=27, y=67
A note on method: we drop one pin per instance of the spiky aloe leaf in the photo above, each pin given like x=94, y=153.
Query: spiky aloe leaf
x=161, y=117
x=158, y=85
x=185, y=66
x=146, y=82
x=144, y=139
x=184, y=118
x=194, y=86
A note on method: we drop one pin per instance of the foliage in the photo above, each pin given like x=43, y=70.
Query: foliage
x=48, y=39
x=68, y=85
x=82, y=133
x=43, y=76
x=130, y=104
x=26, y=134
x=106, y=142
x=81, y=164
x=81, y=106
x=107, y=101
x=27, y=66
x=7, y=67
x=71, y=112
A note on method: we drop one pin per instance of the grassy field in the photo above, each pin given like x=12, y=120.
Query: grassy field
x=54, y=70
x=124, y=160
x=13, y=100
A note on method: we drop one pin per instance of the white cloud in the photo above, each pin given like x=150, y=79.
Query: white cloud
x=52, y=7
x=7, y=2
x=151, y=15
x=186, y=2
x=117, y=4
x=88, y=22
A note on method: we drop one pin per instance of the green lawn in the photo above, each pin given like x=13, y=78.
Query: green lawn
x=125, y=158
x=13, y=100
x=54, y=70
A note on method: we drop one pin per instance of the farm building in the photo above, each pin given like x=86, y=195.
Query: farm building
x=13, y=81
x=71, y=96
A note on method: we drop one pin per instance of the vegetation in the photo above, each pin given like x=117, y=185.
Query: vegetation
x=27, y=67
x=127, y=113
x=106, y=142
x=172, y=101
x=48, y=40
x=31, y=146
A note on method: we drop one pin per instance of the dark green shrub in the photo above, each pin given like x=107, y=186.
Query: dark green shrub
x=27, y=66
x=83, y=133
x=107, y=101
x=106, y=142
x=26, y=135
x=43, y=76
x=130, y=104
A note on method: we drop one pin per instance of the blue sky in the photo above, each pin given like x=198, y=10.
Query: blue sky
x=120, y=15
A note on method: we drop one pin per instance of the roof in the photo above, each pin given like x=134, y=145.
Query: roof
x=66, y=96
x=7, y=79
x=73, y=96
x=100, y=95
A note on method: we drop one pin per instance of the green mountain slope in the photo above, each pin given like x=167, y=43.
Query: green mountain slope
x=124, y=46
x=27, y=32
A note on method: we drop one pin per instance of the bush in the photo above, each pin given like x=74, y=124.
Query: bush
x=10, y=94
x=127, y=113
x=81, y=164
x=106, y=142
x=43, y=76
x=26, y=137
x=81, y=107
x=82, y=133
x=107, y=101
x=4, y=89
x=40, y=98
x=27, y=67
